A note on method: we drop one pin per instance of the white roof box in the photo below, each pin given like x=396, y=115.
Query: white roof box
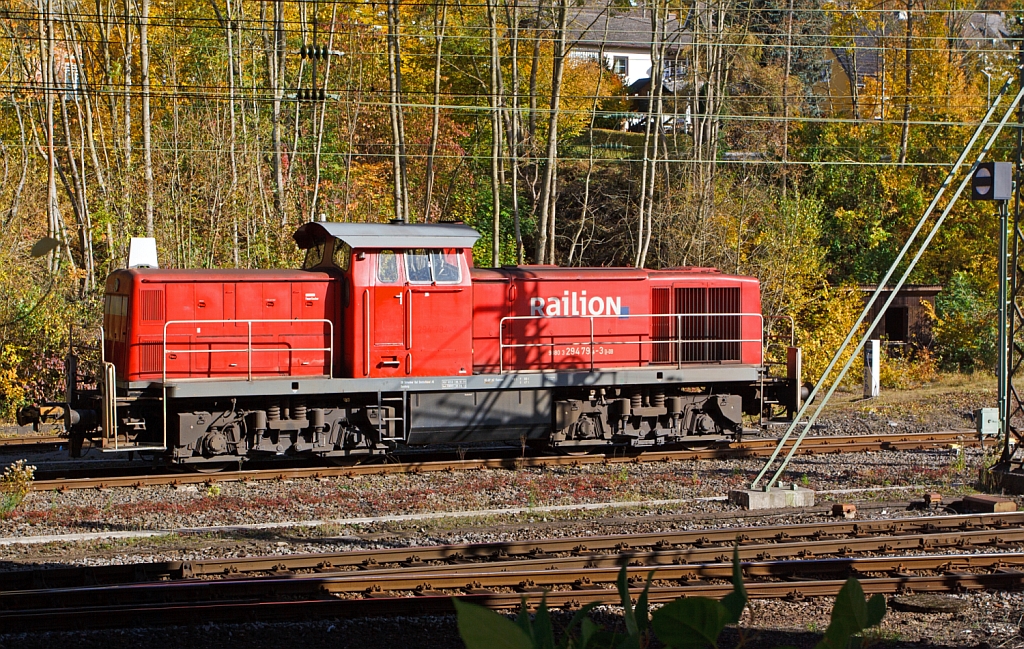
x=142, y=253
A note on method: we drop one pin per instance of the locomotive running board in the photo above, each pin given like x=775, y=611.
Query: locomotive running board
x=270, y=386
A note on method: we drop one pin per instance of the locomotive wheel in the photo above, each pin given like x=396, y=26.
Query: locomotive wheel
x=211, y=467
x=357, y=460
x=698, y=446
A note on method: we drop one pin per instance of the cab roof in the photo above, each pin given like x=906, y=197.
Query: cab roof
x=389, y=235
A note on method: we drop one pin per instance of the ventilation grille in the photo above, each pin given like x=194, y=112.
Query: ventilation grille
x=662, y=328
x=153, y=305
x=706, y=334
x=149, y=357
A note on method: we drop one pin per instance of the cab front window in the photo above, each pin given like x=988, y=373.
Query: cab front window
x=315, y=254
x=342, y=255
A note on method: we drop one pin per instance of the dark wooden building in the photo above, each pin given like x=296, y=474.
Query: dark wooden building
x=905, y=321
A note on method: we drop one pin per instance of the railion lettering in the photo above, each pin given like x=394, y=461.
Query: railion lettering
x=576, y=304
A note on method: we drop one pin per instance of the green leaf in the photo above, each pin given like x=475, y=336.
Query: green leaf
x=523, y=620
x=543, y=632
x=588, y=631
x=690, y=622
x=876, y=610
x=627, y=604
x=851, y=615
x=482, y=628
x=642, y=613
x=580, y=619
x=735, y=601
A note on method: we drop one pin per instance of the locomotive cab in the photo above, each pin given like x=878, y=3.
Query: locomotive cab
x=407, y=295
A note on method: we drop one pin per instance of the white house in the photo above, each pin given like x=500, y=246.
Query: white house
x=626, y=34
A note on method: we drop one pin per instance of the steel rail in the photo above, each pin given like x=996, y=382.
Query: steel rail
x=33, y=440
x=285, y=598
x=796, y=558
x=748, y=448
x=758, y=543
x=519, y=577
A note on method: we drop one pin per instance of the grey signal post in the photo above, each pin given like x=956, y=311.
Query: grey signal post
x=993, y=181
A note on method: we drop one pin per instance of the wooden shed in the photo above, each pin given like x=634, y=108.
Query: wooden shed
x=906, y=321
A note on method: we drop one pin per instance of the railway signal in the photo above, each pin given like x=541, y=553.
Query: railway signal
x=993, y=181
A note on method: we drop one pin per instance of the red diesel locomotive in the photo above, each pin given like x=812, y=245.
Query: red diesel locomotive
x=389, y=337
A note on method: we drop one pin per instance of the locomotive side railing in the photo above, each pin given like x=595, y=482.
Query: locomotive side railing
x=248, y=349
x=588, y=346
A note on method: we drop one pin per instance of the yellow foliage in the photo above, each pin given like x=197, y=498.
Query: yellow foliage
x=823, y=325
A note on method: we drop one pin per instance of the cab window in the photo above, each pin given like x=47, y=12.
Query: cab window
x=417, y=266
x=433, y=266
x=342, y=255
x=444, y=264
x=387, y=267
x=314, y=255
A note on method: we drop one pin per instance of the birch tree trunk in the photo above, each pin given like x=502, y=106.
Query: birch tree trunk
x=46, y=51
x=546, y=224
x=907, y=67
x=515, y=122
x=440, y=25
x=659, y=20
x=233, y=135
x=274, y=48
x=147, y=122
x=323, y=112
x=496, y=92
x=401, y=191
x=785, y=99
x=590, y=147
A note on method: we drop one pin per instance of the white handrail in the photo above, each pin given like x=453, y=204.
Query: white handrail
x=248, y=349
x=502, y=346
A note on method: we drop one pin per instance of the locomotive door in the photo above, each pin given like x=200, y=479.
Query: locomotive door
x=390, y=307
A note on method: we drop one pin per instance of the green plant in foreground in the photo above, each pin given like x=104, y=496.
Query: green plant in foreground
x=15, y=483
x=685, y=623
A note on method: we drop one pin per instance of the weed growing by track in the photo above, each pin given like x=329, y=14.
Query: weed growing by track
x=15, y=483
x=685, y=623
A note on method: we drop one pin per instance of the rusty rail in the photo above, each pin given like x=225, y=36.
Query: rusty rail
x=803, y=540
x=748, y=448
x=289, y=597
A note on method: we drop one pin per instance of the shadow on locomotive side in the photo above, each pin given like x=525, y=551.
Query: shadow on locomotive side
x=388, y=337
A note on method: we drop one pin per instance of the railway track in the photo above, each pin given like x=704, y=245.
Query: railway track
x=937, y=554
x=748, y=448
x=32, y=441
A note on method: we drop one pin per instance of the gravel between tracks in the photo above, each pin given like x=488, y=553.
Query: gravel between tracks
x=240, y=503
x=990, y=619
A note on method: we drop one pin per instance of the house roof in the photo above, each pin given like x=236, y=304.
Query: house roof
x=978, y=30
x=620, y=29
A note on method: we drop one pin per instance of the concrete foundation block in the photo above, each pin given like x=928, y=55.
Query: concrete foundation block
x=775, y=498
x=989, y=504
x=844, y=510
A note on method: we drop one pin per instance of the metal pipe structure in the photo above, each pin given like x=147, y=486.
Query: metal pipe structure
x=882, y=284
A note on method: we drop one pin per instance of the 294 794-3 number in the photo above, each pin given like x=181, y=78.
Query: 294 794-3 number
x=582, y=350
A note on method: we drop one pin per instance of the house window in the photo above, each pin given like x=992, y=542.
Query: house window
x=620, y=65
